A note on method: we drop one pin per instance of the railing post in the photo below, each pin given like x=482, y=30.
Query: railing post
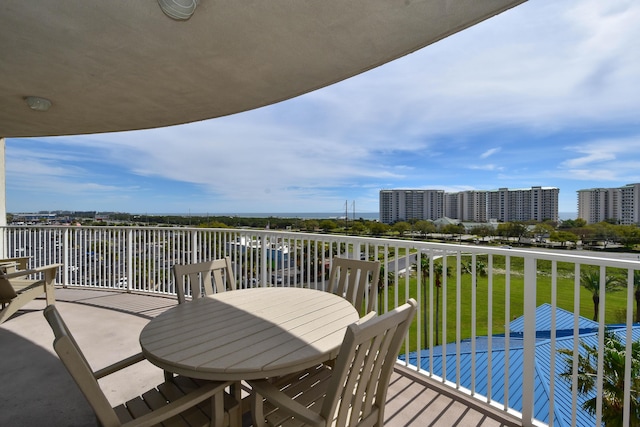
x=529, y=340
x=194, y=247
x=4, y=245
x=129, y=255
x=263, y=260
x=65, y=258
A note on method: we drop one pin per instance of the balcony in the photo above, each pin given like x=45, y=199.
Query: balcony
x=116, y=278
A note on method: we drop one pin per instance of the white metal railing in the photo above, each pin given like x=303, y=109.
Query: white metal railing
x=460, y=307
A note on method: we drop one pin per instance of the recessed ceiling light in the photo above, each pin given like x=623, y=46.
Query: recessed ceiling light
x=38, y=104
x=180, y=10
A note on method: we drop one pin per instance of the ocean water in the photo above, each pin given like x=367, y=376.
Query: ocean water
x=568, y=215
x=302, y=215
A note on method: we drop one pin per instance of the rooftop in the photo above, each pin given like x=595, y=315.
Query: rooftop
x=500, y=351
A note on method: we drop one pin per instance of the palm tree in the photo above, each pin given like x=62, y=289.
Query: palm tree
x=424, y=269
x=390, y=281
x=481, y=268
x=613, y=379
x=590, y=280
x=437, y=271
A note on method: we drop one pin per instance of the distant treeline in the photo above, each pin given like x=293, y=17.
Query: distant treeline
x=275, y=223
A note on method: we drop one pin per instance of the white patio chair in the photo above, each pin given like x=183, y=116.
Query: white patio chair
x=19, y=286
x=352, y=393
x=181, y=401
x=353, y=279
x=204, y=278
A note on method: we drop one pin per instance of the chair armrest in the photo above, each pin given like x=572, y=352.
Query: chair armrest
x=370, y=315
x=20, y=262
x=273, y=394
x=115, y=367
x=50, y=268
x=183, y=403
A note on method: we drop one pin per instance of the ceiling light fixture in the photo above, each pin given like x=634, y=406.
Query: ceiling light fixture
x=38, y=104
x=180, y=10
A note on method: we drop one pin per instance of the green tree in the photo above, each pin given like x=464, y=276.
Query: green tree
x=563, y=237
x=614, y=356
x=452, y=229
x=358, y=227
x=605, y=232
x=481, y=268
x=590, y=280
x=629, y=235
x=482, y=231
x=401, y=227
x=328, y=225
x=437, y=272
x=424, y=227
x=378, y=228
x=390, y=282
x=543, y=229
x=512, y=229
x=311, y=224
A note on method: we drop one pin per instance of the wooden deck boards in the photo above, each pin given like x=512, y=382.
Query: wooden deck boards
x=410, y=402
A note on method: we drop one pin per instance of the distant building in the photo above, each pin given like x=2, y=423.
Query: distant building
x=405, y=205
x=618, y=204
x=33, y=217
x=467, y=205
x=630, y=204
x=535, y=203
x=600, y=204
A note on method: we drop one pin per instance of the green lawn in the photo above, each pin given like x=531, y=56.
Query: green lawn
x=615, y=302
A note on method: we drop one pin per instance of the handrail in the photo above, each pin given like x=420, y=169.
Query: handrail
x=139, y=259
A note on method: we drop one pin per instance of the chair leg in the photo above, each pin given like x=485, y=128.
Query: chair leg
x=235, y=416
x=217, y=409
x=257, y=410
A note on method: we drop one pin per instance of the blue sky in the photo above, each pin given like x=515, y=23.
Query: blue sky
x=546, y=94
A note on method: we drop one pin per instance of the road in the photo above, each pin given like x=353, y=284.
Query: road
x=402, y=263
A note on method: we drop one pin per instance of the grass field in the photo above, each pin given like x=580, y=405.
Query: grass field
x=615, y=302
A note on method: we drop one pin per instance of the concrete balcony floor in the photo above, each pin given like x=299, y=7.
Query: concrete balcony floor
x=36, y=390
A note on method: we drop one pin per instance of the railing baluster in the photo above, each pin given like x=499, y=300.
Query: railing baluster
x=626, y=401
x=101, y=256
x=530, y=284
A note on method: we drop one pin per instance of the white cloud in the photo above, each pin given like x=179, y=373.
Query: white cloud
x=487, y=167
x=541, y=68
x=489, y=153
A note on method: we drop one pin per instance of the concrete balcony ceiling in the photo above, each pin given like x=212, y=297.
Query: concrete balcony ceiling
x=110, y=66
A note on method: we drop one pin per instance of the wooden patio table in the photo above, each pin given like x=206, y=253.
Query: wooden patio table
x=249, y=333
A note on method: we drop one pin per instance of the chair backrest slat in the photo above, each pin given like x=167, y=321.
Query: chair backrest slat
x=357, y=392
x=201, y=277
x=352, y=279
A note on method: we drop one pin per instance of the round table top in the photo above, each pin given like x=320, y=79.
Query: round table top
x=249, y=333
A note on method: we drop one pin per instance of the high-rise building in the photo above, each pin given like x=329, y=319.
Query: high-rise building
x=466, y=205
x=535, y=203
x=600, y=204
x=406, y=205
x=630, y=204
x=618, y=204
x=526, y=204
